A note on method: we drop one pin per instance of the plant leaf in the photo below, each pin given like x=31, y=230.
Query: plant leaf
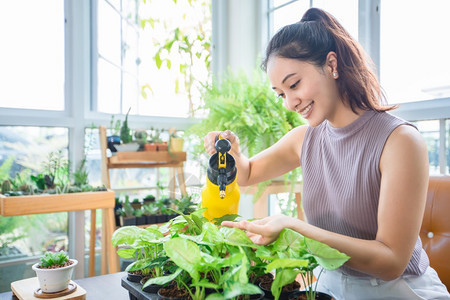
x=184, y=254
x=329, y=258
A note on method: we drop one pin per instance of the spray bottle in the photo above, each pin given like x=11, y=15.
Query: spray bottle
x=221, y=194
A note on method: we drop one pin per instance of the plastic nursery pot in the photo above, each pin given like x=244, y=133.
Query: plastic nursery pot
x=54, y=280
x=251, y=297
x=134, y=277
x=285, y=292
x=301, y=295
x=152, y=288
x=173, y=293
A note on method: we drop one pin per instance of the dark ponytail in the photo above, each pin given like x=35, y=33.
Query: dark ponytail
x=312, y=39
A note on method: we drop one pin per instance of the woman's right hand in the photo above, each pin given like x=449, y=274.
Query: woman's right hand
x=210, y=140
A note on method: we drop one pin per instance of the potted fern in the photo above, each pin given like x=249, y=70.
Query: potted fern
x=54, y=271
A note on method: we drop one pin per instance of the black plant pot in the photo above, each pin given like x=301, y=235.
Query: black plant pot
x=127, y=221
x=134, y=277
x=283, y=295
x=319, y=296
x=150, y=219
x=113, y=140
x=140, y=220
x=164, y=296
x=161, y=218
x=152, y=288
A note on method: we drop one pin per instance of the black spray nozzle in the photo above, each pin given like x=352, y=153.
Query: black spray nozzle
x=222, y=167
x=223, y=145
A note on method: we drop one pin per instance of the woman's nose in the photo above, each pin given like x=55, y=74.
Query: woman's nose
x=291, y=101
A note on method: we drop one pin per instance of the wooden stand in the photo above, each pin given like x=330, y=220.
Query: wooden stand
x=25, y=290
x=40, y=204
x=141, y=159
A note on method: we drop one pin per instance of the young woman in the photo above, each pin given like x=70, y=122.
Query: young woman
x=365, y=172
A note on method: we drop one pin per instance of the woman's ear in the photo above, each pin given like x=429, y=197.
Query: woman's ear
x=331, y=64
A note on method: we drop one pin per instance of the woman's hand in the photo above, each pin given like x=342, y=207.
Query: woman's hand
x=263, y=231
x=210, y=140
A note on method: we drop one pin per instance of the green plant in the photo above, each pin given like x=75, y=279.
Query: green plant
x=81, y=175
x=187, y=43
x=249, y=108
x=50, y=259
x=186, y=205
x=125, y=131
x=115, y=126
x=292, y=254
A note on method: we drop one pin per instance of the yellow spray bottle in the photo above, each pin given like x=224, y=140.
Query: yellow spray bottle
x=221, y=194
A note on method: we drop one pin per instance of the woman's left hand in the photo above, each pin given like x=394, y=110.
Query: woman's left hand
x=262, y=231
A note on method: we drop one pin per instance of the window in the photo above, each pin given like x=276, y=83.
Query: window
x=413, y=50
x=24, y=151
x=153, y=56
x=32, y=54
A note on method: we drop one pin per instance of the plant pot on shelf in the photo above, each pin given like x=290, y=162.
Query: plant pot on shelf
x=141, y=220
x=176, y=144
x=150, y=219
x=162, y=146
x=113, y=140
x=127, y=221
x=130, y=147
x=54, y=280
x=150, y=147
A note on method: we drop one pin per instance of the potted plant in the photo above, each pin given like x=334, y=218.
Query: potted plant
x=126, y=137
x=54, y=271
x=114, y=138
x=126, y=214
x=176, y=141
x=293, y=254
x=149, y=198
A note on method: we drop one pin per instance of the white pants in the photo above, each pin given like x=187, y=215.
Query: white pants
x=346, y=287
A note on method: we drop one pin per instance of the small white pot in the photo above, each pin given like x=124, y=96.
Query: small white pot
x=54, y=280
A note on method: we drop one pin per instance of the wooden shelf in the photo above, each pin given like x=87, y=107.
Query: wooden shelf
x=146, y=159
x=41, y=204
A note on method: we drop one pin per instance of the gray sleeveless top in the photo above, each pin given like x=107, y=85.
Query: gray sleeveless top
x=341, y=180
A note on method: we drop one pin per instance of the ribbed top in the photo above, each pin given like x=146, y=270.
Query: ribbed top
x=341, y=179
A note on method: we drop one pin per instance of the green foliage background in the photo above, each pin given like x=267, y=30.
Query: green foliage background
x=248, y=107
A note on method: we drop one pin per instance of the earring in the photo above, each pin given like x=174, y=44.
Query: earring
x=335, y=74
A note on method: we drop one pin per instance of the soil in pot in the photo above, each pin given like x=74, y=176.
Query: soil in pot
x=286, y=291
x=251, y=297
x=256, y=280
x=173, y=292
x=135, y=276
x=301, y=295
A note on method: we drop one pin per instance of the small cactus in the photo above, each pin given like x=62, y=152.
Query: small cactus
x=6, y=186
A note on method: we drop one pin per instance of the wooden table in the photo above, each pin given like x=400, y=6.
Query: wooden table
x=41, y=204
x=104, y=287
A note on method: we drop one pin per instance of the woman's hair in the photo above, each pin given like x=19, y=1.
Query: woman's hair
x=312, y=39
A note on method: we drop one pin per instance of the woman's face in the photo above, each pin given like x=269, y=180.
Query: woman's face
x=307, y=89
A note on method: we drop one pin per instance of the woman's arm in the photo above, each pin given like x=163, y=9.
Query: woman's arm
x=276, y=160
x=404, y=171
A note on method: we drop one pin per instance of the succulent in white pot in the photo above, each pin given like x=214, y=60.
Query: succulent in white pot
x=54, y=271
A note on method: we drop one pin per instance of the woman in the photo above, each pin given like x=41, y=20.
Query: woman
x=365, y=172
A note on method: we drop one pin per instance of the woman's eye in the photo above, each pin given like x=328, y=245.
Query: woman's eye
x=294, y=85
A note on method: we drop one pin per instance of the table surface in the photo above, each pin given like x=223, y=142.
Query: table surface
x=104, y=287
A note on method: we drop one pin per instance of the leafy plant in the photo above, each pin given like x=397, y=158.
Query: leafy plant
x=125, y=131
x=220, y=258
x=81, y=175
x=50, y=259
x=115, y=126
x=187, y=43
x=249, y=108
